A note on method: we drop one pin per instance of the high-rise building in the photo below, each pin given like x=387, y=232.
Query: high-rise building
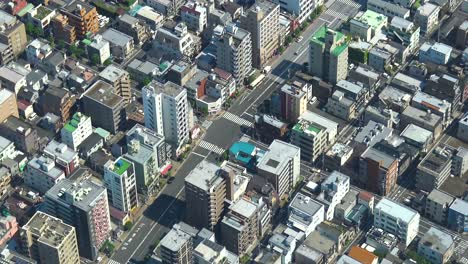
x=328, y=55
x=76, y=130
x=378, y=171
x=119, y=79
x=293, y=102
x=302, y=9
x=177, y=245
x=119, y=179
x=262, y=21
x=239, y=228
x=311, y=137
x=83, y=17
x=234, y=51
x=150, y=155
x=397, y=219
x=101, y=98
x=12, y=33
x=8, y=105
x=205, y=192
x=83, y=205
x=49, y=240
x=281, y=166
x=166, y=112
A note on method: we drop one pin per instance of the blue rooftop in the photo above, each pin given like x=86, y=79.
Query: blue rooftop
x=242, y=151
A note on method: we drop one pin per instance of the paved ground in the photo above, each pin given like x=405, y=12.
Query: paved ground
x=220, y=134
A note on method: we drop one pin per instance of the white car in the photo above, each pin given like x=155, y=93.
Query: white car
x=299, y=39
x=313, y=100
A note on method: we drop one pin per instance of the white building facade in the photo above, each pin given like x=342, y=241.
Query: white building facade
x=119, y=179
x=76, y=130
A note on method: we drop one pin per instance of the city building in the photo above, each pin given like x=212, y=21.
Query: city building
x=362, y=255
x=76, y=130
x=341, y=106
x=8, y=105
x=175, y=41
x=293, y=102
x=378, y=171
x=133, y=27
x=143, y=70
x=337, y=156
x=368, y=25
x=62, y=30
x=163, y=102
x=121, y=44
x=119, y=179
x=150, y=156
x=423, y=119
x=404, y=32
x=41, y=174
x=83, y=205
x=150, y=16
x=119, y=79
x=21, y=133
x=12, y=80
x=305, y=214
x=427, y=18
x=37, y=51
x=355, y=92
x=269, y=128
x=397, y=219
x=177, y=245
x=7, y=149
x=280, y=166
x=328, y=55
x=65, y=158
x=57, y=101
x=458, y=216
x=434, y=169
x=437, y=206
x=262, y=21
x=208, y=251
x=83, y=17
x=417, y=136
x=431, y=103
x=437, y=53
x=100, y=98
x=462, y=131
x=239, y=227
x=168, y=8
x=333, y=190
x=302, y=9
x=460, y=162
x=436, y=246
x=205, y=191
x=8, y=228
x=445, y=87
x=195, y=16
x=47, y=239
x=234, y=51
x=388, y=8
x=41, y=16
x=12, y=33
x=99, y=48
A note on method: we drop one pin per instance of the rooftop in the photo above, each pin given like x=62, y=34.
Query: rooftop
x=104, y=93
x=47, y=166
x=204, y=176
x=460, y=206
x=293, y=91
x=120, y=166
x=112, y=74
x=244, y=208
x=49, y=230
x=277, y=156
x=116, y=37
x=373, y=19
x=430, y=119
x=175, y=239
x=339, y=150
x=4, y=95
x=427, y=9
x=437, y=160
x=168, y=88
x=372, y=133
x=397, y=210
x=362, y=255
x=75, y=122
x=328, y=124
x=417, y=134
x=382, y=158
x=437, y=240
x=440, y=197
x=305, y=205
x=60, y=151
x=4, y=143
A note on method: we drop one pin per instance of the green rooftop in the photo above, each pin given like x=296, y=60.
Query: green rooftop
x=74, y=122
x=319, y=36
x=373, y=19
x=311, y=128
x=87, y=42
x=121, y=166
x=69, y=127
x=42, y=12
x=339, y=49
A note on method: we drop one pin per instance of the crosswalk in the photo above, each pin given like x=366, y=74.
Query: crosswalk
x=207, y=123
x=462, y=247
x=336, y=11
x=211, y=147
x=236, y=119
x=111, y=261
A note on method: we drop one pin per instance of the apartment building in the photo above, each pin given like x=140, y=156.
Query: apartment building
x=305, y=214
x=437, y=206
x=8, y=105
x=65, y=158
x=8, y=224
x=458, y=216
x=341, y=106
x=438, y=53
x=302, y=9
x=378, y=171
x=119, y=179
x=293, y=102
x=234, y=51
x=262, y=21
x=427, y=18
x=239, y=227
x=119, y=79
x=47, y=239
x=328, y=55
x=445, y=87
x=121, y=44
x=83, y=17
x=22, y=134
x=7, y=149
x=311, y=137
x=205, y=192
x=388, y=8
x=83, y=205
x=12, y=33
x=75, y=131
x=333, y=190
x=404, y=32
x=41, y=16
x=281, y=166
x=62, y=29
x=397, y=219
x=166, y=112
x=434, y=169
x=436, y=246
x=427, y=102
x=150, y=155
x=133, y=27
x=460, y=162
x=99, y=47
x=177, y=245
x=368, y=25
x=174, y=40
x=101, y=98
x=195, y=16
x=57, y=101
x=41, y=174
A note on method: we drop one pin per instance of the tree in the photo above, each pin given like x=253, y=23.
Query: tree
x=61, y=44
x=107, y=62
x=147, y=80
x=107, y=247
x=128, y=225
x=95, y=60
x=51, y=41
x=244, y=259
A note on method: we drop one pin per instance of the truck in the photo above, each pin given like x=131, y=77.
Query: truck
x=267, y=69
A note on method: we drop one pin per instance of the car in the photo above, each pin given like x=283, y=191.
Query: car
x=407, y=201
x=170, y=180
x=313, y=100
x=299, y=39
x=296, y=53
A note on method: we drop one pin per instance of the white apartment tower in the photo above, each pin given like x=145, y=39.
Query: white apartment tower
x=119, y=179
x=166, y=112
x=76, y=130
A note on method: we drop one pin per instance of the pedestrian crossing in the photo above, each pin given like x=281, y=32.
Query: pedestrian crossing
x=206, y=124
x=111, y=261
x=236, y=119
x=336, y=11
x=461, y=248
x=211, y=147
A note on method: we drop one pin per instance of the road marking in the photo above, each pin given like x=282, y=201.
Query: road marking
x=155, y=224
x=210, y=146
x=198, y=154
x=237, y=119
x=111, y=261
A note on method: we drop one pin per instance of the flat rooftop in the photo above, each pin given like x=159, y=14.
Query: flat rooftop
x=204, y=176
x=437, y=160
x=396, y=210
x=244, y=208
x=104, y=93
x=49, y=230
x=373, y=19
x=111, y=73
x=417, y=134
x=168, y=88
x=61, y=151
x=277, y=156
x=437, y=240
x=383, y=158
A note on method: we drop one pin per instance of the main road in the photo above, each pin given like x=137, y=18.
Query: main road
x=168, y=208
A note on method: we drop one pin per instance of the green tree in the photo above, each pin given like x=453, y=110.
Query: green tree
x=147, y=80
x=51, y=41
x=61, y=44
x=128, y=225
x=244, y=259
x=107, y=62
x=95, y=60
x=107, y=247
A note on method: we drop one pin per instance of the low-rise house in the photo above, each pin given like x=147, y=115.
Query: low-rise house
x=121, y=44
x=437, y=53
x=437, y=206
x=65, y=158
x=41, y=174
x=436, y=246
x=305, y=214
